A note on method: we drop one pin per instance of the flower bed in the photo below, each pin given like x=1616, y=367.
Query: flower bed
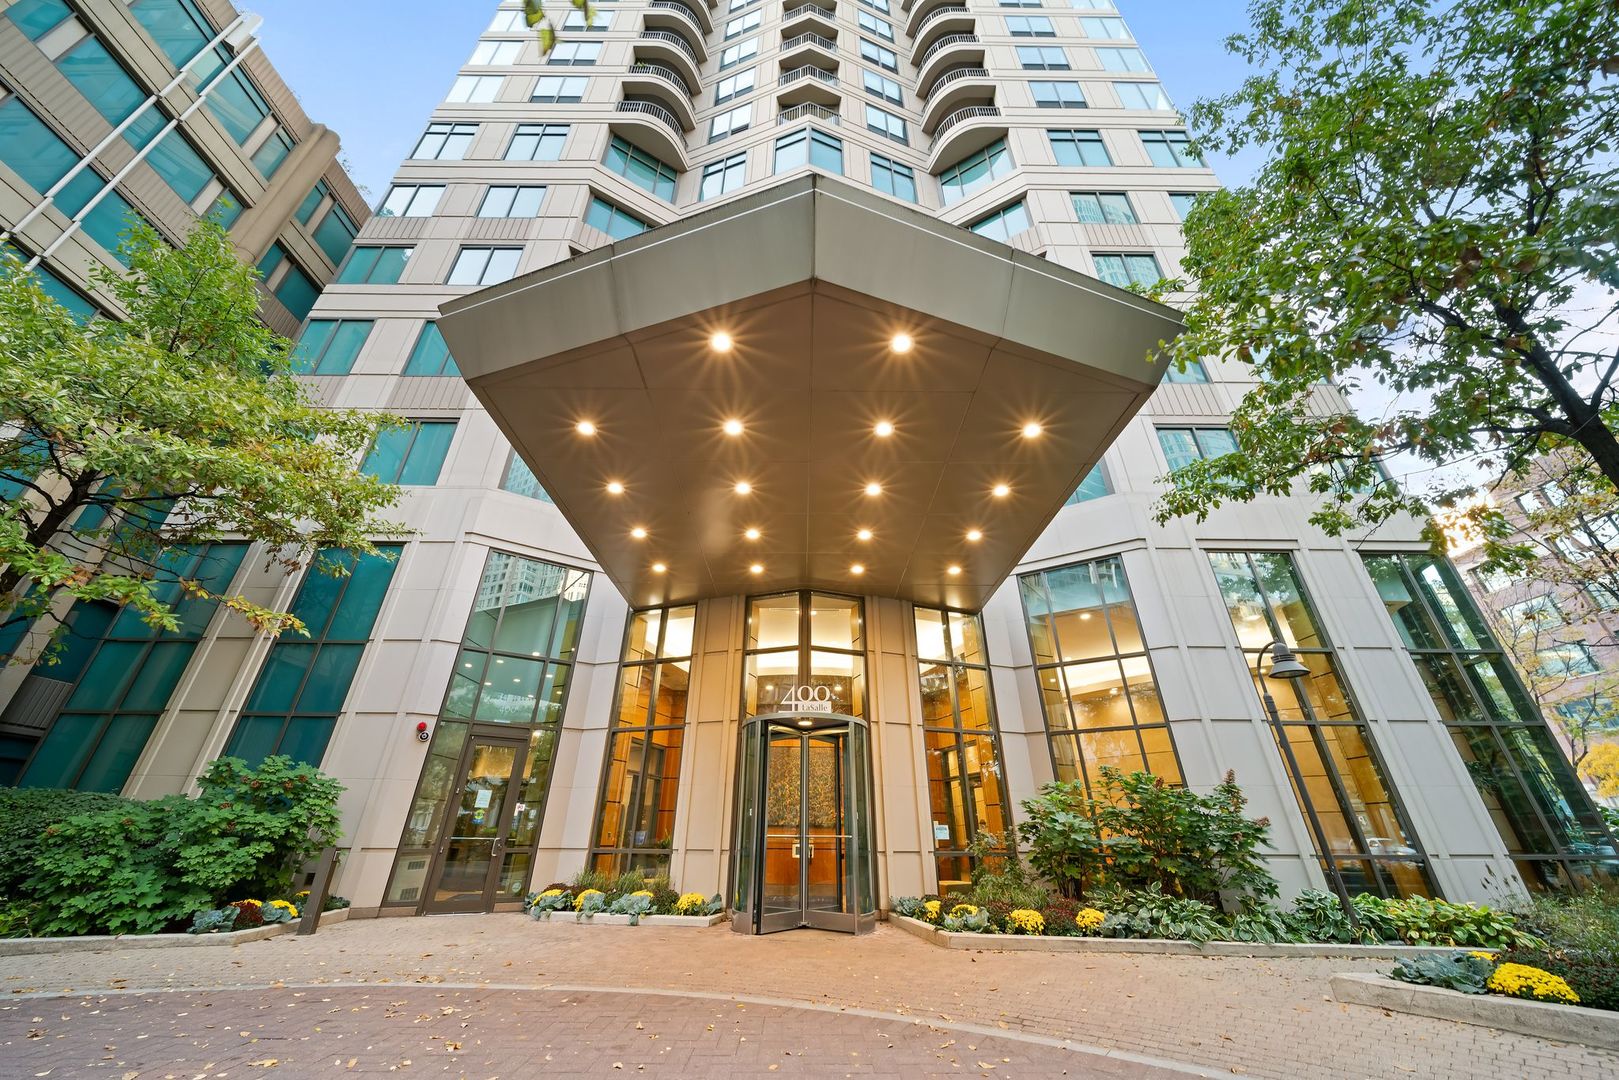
x=1564, y=1023
x=627, y=900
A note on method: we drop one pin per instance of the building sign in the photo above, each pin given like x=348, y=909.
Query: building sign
x=807, y=699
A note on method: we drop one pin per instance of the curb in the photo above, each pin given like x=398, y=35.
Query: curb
x=1563, y=1023
x=44, y=946
x=946, y=939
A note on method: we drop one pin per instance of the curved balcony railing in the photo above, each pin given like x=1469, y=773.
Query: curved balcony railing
x=681, y=10
x=971, y=112
x=939, y=13
x=664, y=72
x=802, y=10
x=669, y=37
x=944, y=43
x=955, y=75
x=808, y=71
x=809, y=39
x=646, y=108
x=810, y=111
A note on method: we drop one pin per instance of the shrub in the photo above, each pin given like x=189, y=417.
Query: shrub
x=1150, y=913
x=1583, y=922
x=1523, y=981
x=249, y=913
x=664, y=895
x=999, y=874
x=1059, y=918
x=25, y=813
x=15, y=915
x=1464, y=971
x=1140, y=832
x=1261, y=924
x=1593, y=976
x=1318, y=916
x=1421, y=921
x=142, y=867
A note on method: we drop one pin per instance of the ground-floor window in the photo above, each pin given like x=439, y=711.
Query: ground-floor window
x=1362, y=833
x=635, y=819
x=966, y=784
x=1537, y=804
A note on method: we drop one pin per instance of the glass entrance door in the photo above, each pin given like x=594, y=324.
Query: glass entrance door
x=480, y=818
x=804, y=855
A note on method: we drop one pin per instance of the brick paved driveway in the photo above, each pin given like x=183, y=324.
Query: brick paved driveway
x=1269, y=1018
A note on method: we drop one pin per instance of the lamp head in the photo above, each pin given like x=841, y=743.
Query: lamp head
x=1284, y=664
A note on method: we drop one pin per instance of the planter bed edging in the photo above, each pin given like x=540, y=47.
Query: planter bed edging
x=1542, y=1019
x=1033, y=943
x=603, y=918
x=108, y=942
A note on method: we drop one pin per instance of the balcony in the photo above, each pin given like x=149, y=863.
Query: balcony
x=808, y=111
x=950, y=19
x=955, y=88
x=677, y=13
x=671, y=50
x=970, y=128
x=920, y=10
x=664, y=83
x=808, y=83
x=809, y=49
x=653, y=128
x=944, y=54
x=806, y=18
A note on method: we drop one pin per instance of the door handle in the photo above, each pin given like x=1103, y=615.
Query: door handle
x=796, y=854
x=812, y=853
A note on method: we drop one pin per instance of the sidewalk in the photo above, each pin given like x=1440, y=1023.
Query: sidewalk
x=1271, y=1018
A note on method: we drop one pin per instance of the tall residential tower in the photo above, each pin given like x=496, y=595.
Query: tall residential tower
x=827, y=537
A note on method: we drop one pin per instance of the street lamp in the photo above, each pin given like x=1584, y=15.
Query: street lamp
x=1285, y=665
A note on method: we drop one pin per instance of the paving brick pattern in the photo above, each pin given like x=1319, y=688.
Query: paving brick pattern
x=492, y=1033
x=1272, y=1018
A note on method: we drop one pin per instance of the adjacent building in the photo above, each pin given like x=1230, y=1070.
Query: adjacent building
x=782, y=458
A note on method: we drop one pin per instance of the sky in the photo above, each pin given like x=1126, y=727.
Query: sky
x=378, y=97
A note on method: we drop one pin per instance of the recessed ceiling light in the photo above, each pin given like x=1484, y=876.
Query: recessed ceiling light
x=752, y=534
x=658, y=568
x=732, y=427
x=1000, y=491
x=1032, y=430
x=901, y=343
x=874, y=488
x=615, y=488
x=857, y=569
x=743, y=487
x=973, y=535
x=883, y=429
x=585, y=427
x=756, y=568
x=638, y=532
x=720, y=342
x=952, y=570
x=863, y=534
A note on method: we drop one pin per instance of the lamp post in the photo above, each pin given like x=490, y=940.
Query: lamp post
x=1284, y=664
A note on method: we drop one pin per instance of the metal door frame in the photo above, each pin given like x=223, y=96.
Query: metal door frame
x=452, y=808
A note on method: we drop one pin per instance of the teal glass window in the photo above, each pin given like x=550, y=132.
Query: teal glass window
x=178, y=27
x=1170, y=150
x=641, y=168
x=179, y=165
x=329, y=346
x=374, y=265
x=1003, y=224
x=22, y=456
x=612, y=220
x=239, y=107
x=1538, y=805
x=1123, y=60
x=1129, y=268
x=893, y=178
x=530, y=142
x=294, y=288
x=505, y=201
x=123, y=673
x=269, y=157
x=1082, y=148
x=1094, y=486
x=36, y=18
x=336, y=233
x=1103, y=207
x=38, y=155
x=225, y=209
x=413, y=454
x=1192, y=372
x=520, y=480
x=1183, y=201
x=109, y=89
x=109, y=221
x=312, y=201
x=66, y=295
x=974, y=171
x=809, y=146
x=295, y=702
x=430, y=355
x=1182, y=446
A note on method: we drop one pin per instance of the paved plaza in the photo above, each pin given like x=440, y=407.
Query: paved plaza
x=501, y=995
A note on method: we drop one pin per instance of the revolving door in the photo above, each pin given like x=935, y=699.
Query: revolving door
x=803, y=848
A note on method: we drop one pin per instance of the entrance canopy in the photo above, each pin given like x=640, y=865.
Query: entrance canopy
x=808, y=387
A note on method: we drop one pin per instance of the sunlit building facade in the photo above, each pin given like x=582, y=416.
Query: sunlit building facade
x=782, y=458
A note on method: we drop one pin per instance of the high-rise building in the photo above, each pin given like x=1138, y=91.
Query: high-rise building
x=828, y=533
x=165, y=111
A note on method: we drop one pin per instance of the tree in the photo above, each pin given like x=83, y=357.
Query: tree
x=121, y=441
x=1601, y=767
x=1434, y=221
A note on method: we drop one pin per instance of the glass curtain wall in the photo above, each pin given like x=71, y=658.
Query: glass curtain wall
x=1338, y=774
x=511, y=674
x=804, y=641
x=966, y=788
x=1096, y=684
x=635, y=821
x=1538, y=805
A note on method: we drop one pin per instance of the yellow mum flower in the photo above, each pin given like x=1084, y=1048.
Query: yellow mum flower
x=690, y=903
x=551, y=892
x=579, y=901
x=1026, y=921
x=286, y=906
x=1088, y=919
x=963, y=909
x=1523, y=981
x=1490, y=956
x=931, y=909
x=642, y=892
